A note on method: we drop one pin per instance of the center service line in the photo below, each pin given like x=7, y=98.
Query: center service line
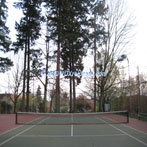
x=72, y=125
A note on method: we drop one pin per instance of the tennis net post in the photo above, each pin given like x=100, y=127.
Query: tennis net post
x=127, y=116
x=16, y=120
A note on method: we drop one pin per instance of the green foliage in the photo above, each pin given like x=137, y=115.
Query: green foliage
x=119, y=103
x=19, y=102
x=52, y=101
x=35, y=102
x=28, y=31
x=5, y=64
x=96, y=22
x=140, y=117
x=5, y=42
x=39, y=101
x=64, y=110
x=66, y=20
x=4, y=31
x=30, y=25
x=5, y=107
x=38, y=94
x=36, y=62
x=68, y=26
x=75, y=35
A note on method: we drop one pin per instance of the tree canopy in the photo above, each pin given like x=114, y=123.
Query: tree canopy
x=5, y=63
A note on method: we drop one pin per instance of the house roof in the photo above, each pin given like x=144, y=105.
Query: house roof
x=4, y=95
x=8, y=95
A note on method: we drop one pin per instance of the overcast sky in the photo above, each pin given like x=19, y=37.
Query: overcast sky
x=138, y=51
x=138, y=56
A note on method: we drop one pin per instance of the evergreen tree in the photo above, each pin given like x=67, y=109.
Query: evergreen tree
x=28, y=31
x=55, y=22
x=74, y=40
x=39, y=98
x=5, y=63
x=69, y=28
x=52, y=101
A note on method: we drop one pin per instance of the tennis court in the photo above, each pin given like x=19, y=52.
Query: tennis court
x=72, y=131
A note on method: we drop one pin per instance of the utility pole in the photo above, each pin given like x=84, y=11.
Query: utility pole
x=121, y=58
x=138, y=83
x=129, y=82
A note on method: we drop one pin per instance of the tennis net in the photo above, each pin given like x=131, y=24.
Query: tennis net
x=30, y=118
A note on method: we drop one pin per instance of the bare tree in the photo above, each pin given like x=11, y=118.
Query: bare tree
x=118, y=27
x=15, y=78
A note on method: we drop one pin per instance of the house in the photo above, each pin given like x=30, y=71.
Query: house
x=7, y=102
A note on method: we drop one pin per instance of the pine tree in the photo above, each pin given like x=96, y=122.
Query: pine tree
x=28, y=31
x=74, y=40
x=55, y=22
x=39, y=98
x=5, y=63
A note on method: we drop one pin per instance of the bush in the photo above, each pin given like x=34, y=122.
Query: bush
x=6, y=107
x=64, y=110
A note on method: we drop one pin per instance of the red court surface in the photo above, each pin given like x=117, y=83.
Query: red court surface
x=7, y=122
x=138, y=125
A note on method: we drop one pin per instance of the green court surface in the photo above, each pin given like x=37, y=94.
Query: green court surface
x=86, y=135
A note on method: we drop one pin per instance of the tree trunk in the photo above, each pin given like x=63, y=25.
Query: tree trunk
x=74, y=95
x=15, y=104
x=70, y=86
x=95, y=79
x=46, y=76
x=101, y=100
x=14, y=108
x=58, y=61
x=58, y=78
x=100, y=103
x=24, y=79
x=28, y=76
x=45, y=94
x=16, y=96
x=51, y=102
x=73, y=79
x=103, y=104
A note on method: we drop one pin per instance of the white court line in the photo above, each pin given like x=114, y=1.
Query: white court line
x=129, y=135
x=128, y=127
x=135, y=129
x=138, y=140
x=61, y=136
x=17, y=127
x=109, y=135
x=71, y=130
x=11, y=130
x=9, y=139
x=72, y=125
